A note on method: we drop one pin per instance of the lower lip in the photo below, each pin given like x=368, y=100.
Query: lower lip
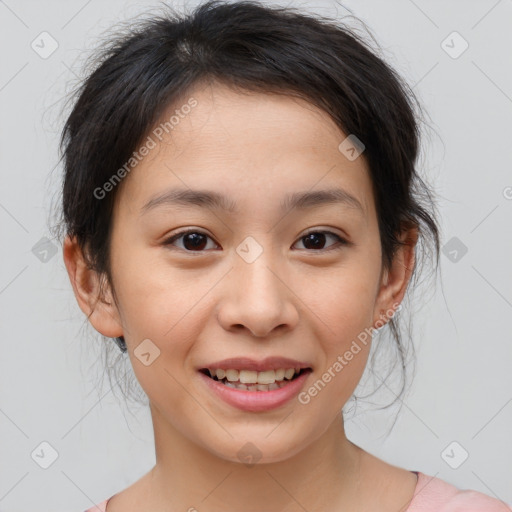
x=256, y=401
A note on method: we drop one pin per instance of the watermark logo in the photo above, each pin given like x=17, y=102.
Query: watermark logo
x=249, y=250
x=44, y=45
x=454, y=455
x=454, y=249
x=44, y=455
x=249, y=454
x=45, y=249
x=351, y=147
x=146, y=352
x=454, y=45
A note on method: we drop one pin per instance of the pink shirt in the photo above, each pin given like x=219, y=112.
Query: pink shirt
x=431, y=495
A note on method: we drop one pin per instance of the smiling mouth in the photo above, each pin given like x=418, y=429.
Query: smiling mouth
x=234, y=380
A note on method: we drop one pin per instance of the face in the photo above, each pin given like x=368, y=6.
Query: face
x=258, y=275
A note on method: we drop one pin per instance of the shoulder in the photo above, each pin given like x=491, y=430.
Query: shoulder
x=100, y=507
x=134, y=497
x=436, y=495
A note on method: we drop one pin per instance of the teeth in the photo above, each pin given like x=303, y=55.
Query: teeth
x=267, y=377
x=288, y=374
x=249, y=377
x=232, y=375
x=254, y=387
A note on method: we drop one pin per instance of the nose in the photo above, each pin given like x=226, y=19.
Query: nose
x=256, y=296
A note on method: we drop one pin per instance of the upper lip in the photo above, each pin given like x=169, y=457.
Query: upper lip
x=246, y=363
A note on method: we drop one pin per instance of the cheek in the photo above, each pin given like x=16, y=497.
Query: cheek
x=172, y=327
x=342, y=303
x=342, y=299
x=344, y=341
x=157, y=298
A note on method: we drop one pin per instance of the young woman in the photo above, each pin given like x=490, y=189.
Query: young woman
x=241, y=211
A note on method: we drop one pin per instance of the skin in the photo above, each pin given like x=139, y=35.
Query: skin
x=294, y=300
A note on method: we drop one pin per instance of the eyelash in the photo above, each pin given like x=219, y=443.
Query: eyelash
x=341, y=241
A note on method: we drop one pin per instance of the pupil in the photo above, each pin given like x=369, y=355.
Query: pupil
x=195, y=238
x=311, y=238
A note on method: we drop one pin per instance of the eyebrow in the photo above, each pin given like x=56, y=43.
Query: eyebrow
x=214, y=200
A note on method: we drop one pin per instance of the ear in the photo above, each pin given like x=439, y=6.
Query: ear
x=101, y=310
x=394, y=281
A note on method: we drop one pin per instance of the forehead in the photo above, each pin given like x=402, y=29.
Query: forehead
x=249, y=121
x=249, y=146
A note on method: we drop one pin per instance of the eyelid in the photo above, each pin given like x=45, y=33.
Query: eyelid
x=324, y=230
x=168, y=241
x=342, y=240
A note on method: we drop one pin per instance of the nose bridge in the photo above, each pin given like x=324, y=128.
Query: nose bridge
x=255, y=269
x=258, y=297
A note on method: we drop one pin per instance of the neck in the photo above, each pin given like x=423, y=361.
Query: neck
x=187, y=476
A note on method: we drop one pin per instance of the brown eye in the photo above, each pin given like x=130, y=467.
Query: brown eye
x=196, y=241
x=317, y=239
x=193, y=240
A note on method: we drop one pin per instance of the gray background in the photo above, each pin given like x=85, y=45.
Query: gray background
x=51, y=366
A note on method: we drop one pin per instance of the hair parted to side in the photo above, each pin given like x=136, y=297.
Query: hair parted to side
x=147, y=67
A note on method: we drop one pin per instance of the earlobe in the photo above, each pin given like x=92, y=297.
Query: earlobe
x=95, y=302
x=395, y=280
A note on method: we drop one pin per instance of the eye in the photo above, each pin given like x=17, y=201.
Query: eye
x=316, y=239
x=193, y=240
